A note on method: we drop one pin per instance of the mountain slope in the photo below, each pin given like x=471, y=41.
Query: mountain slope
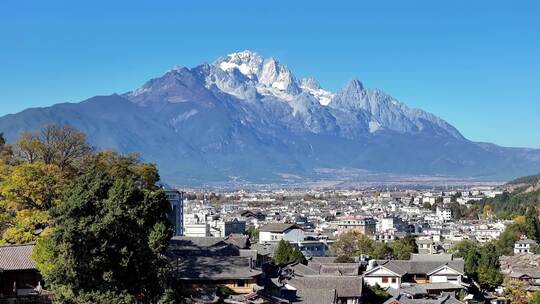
x=248, y=118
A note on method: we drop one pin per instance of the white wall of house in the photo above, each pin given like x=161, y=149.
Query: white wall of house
x=197, y=230
x=266, y=236
x=291, y=235
x=294, y=235
x=372, y=281
x=383, y=277
x=444, y=275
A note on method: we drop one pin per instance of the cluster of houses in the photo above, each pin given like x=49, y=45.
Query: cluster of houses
x=222, y=252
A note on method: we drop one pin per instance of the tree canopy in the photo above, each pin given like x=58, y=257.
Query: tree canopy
x=98, y=219
x=285, y=253
x=109, y=236
x=352, y=244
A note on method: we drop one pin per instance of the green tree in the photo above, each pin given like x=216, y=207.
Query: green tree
x=31, y=186
x=402, y=248
x=117, y=165
x=2, y=139
x=375, y=295
x=168, y=297
x=253, y=234
x=489, y=276
x=535, y=298
x=285, y=254
x=470, y=252
x=109, y=238
x=346, y=245
x=282, y=253
x=381, y=251
x=344, y=259
x=532, y=224
x=26, y=227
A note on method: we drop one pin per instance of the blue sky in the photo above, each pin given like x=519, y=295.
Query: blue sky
x=476, y=64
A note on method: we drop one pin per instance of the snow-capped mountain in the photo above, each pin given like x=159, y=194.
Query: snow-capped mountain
x=249, y=117
x=249, y=77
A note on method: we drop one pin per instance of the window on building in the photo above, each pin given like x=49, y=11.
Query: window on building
x=394, y=280
x=241, y=283
x=385, y=279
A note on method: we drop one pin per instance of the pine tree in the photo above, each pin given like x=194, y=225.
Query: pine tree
x=532, y=224
x=282, y=253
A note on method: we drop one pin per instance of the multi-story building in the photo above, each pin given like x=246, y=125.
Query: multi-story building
x=275, y=232
x=229, y=227
x=176, y=217
x=366, y=226
x=524, y=245
x=444, y=213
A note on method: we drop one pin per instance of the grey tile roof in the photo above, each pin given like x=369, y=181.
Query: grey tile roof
x=345, y=286
x=16, y=257
x=303, y=270
x=277, y=227
x=213, y=268
x=322, y=260
x=401, y=299
x=316, y=296
x=201, y=246
x=350, y=269
x=526, y=241
x=403, y=267
x=441, y=257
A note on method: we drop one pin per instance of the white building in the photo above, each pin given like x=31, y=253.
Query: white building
x=444, y=213
x=524, y=245
x=275, y=232
x=197, y=230
x=420, y=269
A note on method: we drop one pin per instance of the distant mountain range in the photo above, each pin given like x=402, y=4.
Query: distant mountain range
x=247, y=118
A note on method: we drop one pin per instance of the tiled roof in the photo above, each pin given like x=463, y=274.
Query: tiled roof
x=345, y=286
x=213, y=268
x=441, y=257
x=402, y=267
x=16, y=257
x=201, y=246
x=316, y=296
x=277, y=227
x=401, y=299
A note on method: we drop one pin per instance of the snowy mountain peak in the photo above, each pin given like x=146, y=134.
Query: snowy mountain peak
x=310, y=83
x=247, y=62
x=354, y=85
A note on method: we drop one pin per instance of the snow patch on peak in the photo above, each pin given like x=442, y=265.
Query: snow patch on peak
x=309, y=83
x=374, y=126
x=247, y=62
x=311, y=86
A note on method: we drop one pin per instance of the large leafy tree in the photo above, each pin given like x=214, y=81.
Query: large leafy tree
x=285, y=253
x=109, y=238
x=31, y=186
x=489, y=275
x=470, y=252
x=404, y=247
x=63, y=146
